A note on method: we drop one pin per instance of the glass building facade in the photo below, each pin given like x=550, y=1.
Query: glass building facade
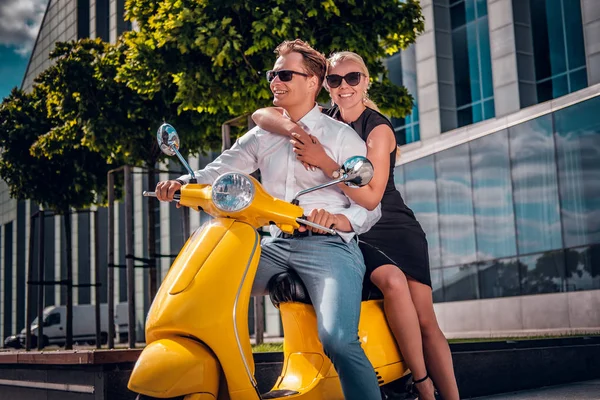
x=558, y=48
x=515, y=212
x=472, y=61
x=402, y=71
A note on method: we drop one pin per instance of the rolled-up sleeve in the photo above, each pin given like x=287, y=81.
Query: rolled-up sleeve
x=241, y=157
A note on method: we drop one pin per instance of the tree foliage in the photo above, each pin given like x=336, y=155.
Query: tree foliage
x=216, y=51
x=98, y=112
x=57, y=183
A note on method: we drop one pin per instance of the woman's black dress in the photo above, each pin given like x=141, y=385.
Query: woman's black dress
x=397, y=238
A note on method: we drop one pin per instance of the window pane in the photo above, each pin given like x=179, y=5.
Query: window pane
x=465, y=116
x=421, y=197
x=535, y=186
x=556, y=38
x=473, y=54
x=458, y=15
x=436, y=285
x=488, y=109
x=457, y=232
x=499, y=278
x=574, y=34
x=460, y=283
x=400, y=133
x=492, y=195
x=578, y=80
x=542, y=273
x=462, y=79
x=552, y=88
x=399, y=178
x=578, y=150
x=487, y=85
x=583, y=268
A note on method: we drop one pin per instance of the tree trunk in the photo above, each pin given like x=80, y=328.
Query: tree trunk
x=69, y=279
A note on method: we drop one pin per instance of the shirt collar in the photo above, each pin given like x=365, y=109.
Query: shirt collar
x=310, y=119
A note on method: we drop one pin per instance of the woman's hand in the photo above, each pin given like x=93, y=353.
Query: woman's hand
x=310, y=151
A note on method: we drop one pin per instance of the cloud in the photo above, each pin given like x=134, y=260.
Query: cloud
x=20, y=22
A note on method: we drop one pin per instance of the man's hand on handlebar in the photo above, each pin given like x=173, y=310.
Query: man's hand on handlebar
x=165, y=190
x=321, y=217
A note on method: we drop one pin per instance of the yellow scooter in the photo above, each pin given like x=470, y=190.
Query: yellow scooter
x=198, y=343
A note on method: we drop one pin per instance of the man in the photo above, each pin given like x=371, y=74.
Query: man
x=334, y=285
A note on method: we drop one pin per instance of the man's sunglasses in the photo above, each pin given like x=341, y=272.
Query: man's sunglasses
x=285, y=75
x=351, y=78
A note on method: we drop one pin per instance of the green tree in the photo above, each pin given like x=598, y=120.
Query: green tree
x=57, y=183
x=104, y=115
x=216, y=52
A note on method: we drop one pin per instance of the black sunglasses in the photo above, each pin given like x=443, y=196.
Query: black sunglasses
x=285, y=75
x=351, y=78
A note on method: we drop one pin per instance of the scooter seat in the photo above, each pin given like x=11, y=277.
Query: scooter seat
x=288, y=287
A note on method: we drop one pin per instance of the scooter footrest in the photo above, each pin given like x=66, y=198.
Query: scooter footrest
x=277, y=394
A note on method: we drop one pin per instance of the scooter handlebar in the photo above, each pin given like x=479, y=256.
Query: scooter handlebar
x=176, y=196
x=313, y=225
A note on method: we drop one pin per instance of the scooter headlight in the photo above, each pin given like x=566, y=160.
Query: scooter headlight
x=232, y=192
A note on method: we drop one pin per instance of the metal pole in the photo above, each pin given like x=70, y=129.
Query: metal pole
x=259, y=319
x=69, y=280
x=97, y=278
x=129, y=254
x=151, y=238
x=40, y=300
x=29, y=303
x=111, y=260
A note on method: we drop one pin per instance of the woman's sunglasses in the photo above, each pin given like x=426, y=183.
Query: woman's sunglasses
x=285, y=75
x=351, y=78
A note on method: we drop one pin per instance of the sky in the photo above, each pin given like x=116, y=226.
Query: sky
x=19, y=25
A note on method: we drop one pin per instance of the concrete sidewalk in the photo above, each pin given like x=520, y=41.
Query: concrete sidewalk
x=588, y=390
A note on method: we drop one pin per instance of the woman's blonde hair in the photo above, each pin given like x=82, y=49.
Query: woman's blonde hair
x=342, y=56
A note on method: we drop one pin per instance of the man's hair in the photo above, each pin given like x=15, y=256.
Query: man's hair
x=314, y=62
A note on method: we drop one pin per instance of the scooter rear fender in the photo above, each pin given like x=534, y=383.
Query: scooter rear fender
x=176, y=366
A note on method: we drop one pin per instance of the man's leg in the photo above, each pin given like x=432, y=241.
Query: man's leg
x=333, y=271
x=273, y=260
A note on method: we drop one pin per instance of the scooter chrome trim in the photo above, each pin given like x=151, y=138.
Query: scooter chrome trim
x=237, y=297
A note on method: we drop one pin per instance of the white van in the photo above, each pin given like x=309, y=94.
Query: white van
x=84, y=324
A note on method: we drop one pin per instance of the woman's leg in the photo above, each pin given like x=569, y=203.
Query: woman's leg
x=435, y=345
x=403, y=321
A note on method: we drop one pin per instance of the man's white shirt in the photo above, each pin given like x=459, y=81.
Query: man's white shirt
x=283, y=175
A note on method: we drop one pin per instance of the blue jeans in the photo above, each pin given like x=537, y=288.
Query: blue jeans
x=332, y=271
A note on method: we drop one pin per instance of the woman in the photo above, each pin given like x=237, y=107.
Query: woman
x=395, y=249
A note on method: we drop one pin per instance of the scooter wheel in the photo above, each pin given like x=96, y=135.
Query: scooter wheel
x=144, y=397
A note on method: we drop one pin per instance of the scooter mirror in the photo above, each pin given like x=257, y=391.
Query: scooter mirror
x=168, y=140
x=357, y=171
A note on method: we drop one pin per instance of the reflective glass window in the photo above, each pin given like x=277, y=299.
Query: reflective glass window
x=492, y=197
x=420, y=195
x=399, y=179
x=457, y=230
x=402, y=71
x=460, y=283
x=499, y=278
x=437, y=285
x=578, y=152
x=558, y=47
x=535, y=188
x=583, y=268
x=542, y=273
x=472, y=61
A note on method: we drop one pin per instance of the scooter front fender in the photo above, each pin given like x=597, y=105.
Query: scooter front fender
x=176, y=366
